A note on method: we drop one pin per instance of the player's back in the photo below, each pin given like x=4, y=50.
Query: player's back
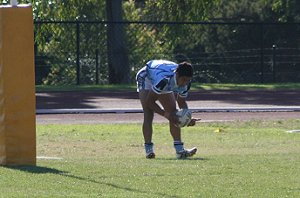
x=158, y=69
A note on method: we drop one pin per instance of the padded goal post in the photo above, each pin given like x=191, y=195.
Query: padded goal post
x=17, y=86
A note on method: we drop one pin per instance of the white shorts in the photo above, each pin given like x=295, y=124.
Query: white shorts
x=142, y=81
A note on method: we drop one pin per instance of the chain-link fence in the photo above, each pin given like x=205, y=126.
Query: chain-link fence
x=70, y=53
x=75, y=52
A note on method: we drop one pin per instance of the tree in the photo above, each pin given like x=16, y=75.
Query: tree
x=125, y=47
x=286, y=11
x=150, y=40
x=116, y=46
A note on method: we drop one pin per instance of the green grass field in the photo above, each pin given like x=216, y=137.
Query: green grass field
x=248, y=159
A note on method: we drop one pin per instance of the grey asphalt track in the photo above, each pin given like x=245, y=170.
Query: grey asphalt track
x=120, y=107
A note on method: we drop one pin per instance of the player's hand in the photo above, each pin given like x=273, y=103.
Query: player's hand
x=193, y=121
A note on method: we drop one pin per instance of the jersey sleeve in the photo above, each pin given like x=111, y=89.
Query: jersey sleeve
x=159, y=87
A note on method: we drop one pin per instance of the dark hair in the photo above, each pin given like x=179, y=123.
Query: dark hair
x=185, y=69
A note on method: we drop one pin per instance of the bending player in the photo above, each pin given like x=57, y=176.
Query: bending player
x=168, y=83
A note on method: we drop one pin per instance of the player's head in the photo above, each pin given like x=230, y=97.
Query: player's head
x=184, y=73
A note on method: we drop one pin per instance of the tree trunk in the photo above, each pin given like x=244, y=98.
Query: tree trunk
x=116, y=45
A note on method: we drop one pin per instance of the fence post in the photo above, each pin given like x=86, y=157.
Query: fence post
x=274, y=62
x=78, y=52
x=97, y=66
x=262, y=53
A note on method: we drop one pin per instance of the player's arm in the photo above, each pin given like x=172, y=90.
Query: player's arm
x=181, y=101
x=181, y=97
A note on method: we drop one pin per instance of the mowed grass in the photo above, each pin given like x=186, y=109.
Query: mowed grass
x=248, y=159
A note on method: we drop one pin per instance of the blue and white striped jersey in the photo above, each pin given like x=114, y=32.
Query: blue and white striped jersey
x=162, y=74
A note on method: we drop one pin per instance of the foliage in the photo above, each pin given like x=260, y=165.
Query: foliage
x=62, y=38
x=220, y=53
x=144, y=40
x=238, y=45
x=155, y=41
x=177, y=10
x=286, y=11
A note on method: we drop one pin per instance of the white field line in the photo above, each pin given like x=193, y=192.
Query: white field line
x=138, y=110
x=293, y=131
x=48, y=158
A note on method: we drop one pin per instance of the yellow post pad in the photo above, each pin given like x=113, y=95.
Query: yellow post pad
x=17, y=86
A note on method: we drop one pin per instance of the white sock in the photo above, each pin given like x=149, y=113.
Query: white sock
x=178, y=145
x=148, y=148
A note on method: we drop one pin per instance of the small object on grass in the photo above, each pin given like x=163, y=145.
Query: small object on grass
x=219, y=130
x=293, y=131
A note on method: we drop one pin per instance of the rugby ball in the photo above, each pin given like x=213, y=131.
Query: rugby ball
x=184, y=117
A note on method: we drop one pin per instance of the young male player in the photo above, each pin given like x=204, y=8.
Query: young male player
x=168, y=83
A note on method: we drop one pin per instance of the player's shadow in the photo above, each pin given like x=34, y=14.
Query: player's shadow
x=46, y=170
x=187, y=159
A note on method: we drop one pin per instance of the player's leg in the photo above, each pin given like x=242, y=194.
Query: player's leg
x=168, y=101
x=147, y=124
x=143, y=87
x=148, y=117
